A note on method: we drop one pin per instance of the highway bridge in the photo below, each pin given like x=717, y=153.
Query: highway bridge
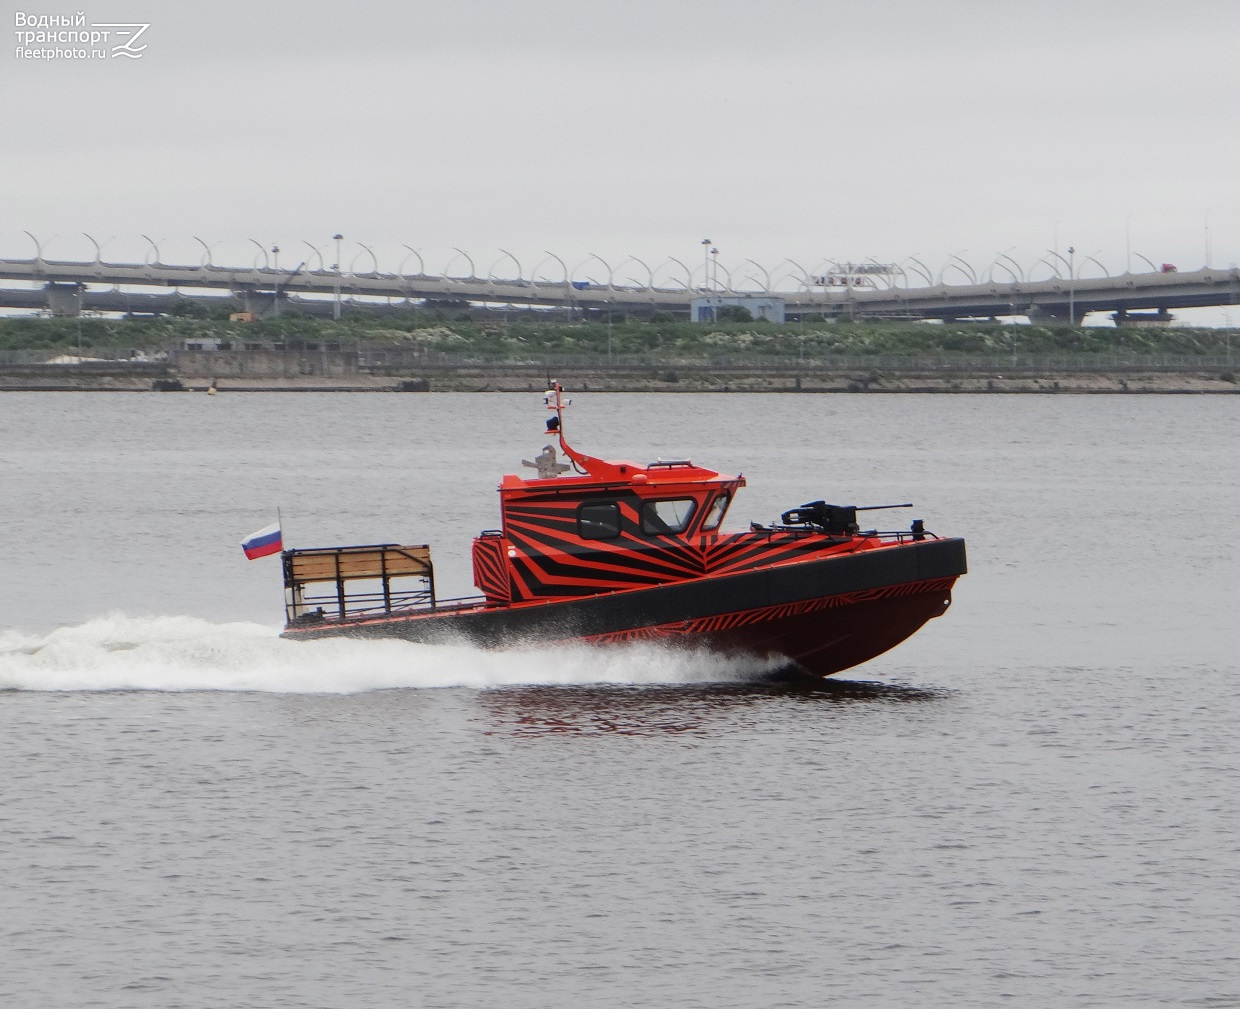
x=66, y=288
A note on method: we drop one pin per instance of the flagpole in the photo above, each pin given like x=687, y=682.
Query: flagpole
x=280, y=522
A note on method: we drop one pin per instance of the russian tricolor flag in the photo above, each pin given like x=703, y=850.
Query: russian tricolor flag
x=266, y=541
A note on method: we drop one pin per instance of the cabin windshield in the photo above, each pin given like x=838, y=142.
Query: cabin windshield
x=671, y=515
x=717, y=509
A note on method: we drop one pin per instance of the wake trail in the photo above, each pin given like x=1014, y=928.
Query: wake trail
x=180, y=653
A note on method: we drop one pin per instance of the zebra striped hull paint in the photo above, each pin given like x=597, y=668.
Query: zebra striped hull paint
x=823, y=636
x=827, y=614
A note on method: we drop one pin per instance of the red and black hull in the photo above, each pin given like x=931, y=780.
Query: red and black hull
x=826, y=614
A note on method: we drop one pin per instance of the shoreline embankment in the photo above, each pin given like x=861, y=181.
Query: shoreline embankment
x=422, y=353
x=347, y=371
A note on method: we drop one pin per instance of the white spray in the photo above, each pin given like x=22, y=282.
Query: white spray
x=185, y=653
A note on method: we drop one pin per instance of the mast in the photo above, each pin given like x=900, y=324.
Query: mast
x=554, y=398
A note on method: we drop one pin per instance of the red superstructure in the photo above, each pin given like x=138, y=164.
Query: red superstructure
x=617, y=551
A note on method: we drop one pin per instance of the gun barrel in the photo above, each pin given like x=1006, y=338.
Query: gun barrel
x=879, y=508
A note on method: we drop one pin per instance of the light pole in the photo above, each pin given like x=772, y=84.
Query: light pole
x=714, y=273
x=275, y=297
x=705, y=262
x=336, y=266
x=1071, y=287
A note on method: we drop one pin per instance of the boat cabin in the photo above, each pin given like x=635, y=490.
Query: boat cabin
x=619, y=526
x=612, y=526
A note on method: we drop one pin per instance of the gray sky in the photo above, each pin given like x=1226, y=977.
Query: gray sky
x=783, y=128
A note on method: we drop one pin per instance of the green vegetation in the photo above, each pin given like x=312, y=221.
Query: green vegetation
x=734, y=313
x=533, y=335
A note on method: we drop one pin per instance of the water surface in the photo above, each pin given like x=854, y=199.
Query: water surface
x=1032, y=800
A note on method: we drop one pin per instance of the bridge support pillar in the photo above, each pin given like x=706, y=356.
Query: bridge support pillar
x=64, y=300
x=259, y=303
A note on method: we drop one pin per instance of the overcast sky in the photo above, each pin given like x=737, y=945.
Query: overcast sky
x=810, y=130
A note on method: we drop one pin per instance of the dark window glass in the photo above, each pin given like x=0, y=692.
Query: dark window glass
x=598, y=521
x=661, y=518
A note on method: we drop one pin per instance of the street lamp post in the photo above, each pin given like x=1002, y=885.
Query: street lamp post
x=275, y=298
x=714, y=273
x=705, y=262
x=1071, y=287
x=336, y=306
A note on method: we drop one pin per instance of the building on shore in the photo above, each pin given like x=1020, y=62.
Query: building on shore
x=706, y=308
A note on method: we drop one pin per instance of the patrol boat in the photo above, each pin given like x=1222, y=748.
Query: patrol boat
x=599, y=551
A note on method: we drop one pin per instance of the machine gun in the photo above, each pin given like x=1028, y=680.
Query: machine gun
x=839, y=520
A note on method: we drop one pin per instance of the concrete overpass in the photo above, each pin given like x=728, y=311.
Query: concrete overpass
x=66, y=288
x=1056, y=299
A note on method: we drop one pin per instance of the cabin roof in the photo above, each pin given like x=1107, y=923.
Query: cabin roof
x=602, y=473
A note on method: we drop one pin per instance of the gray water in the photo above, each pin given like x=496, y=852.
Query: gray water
x=1032, y=801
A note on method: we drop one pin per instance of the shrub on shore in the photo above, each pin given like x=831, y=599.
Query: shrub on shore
x=520, y=335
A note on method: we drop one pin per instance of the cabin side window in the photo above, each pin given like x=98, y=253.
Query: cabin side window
x=598, y=521
x=663, y=518
x=715, y=515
